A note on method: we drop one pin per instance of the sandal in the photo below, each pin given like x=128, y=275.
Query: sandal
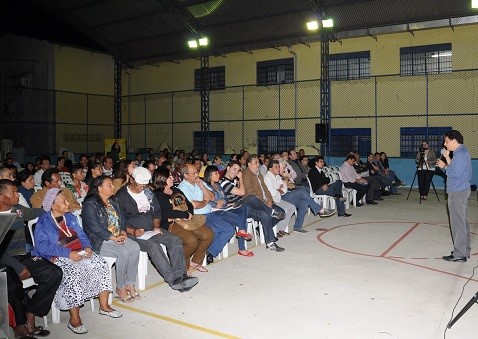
x=197, y=267
x=135, y=295
x=40, y=332
x=126, y=299
x=246, y=253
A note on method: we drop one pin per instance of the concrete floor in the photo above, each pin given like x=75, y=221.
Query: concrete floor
x=377, y=274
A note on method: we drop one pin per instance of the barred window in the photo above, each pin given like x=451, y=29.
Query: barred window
x=349, y=66
x=345, y=140
x=411, y=138
x=429, y=59
x=275, y=72
x=215, y=142
x=270, y=141
x=217, y=78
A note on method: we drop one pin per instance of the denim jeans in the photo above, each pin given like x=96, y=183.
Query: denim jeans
x=222, y=228
x=301, y=199
x=259, y=211
x=240, y=220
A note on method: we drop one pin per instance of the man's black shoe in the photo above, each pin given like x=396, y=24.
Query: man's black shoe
x=359, y=204
x=378, y=198
x=209, y=258
x=385, y=193
x=279, y=215
x=454, y=259
x=371, y=202
x=177, y=283
x=345, y=215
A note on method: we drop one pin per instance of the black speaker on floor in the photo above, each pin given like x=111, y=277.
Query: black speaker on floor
x=321, y=133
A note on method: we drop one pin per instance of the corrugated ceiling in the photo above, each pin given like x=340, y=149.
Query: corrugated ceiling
x=140, y=31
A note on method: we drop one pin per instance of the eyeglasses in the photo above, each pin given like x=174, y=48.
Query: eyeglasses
x=192, y=173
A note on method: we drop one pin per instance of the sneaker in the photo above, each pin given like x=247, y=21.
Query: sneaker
x=274, y=247
x=301, y=231
x=327, y=213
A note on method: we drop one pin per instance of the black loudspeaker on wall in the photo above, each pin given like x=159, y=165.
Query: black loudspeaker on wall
x=321, y=133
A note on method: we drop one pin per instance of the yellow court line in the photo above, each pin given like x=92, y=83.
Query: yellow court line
x=176, y=321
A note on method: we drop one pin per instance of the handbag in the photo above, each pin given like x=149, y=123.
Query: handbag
x=178, y=203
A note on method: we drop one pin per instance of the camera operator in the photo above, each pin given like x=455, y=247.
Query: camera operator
x=426, y=160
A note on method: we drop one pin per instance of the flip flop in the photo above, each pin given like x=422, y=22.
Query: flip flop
x=198, y=267
x=248, y=253
x=40, y=332
x=134, y=295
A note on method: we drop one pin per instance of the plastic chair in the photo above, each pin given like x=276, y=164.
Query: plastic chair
x=325, y=200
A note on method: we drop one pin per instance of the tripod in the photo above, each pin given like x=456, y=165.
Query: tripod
x=419, y=168
x=463, y=311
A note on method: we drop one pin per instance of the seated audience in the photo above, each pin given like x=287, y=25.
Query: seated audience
x=254, y=184
x=138, y=159
x=351, y=179
x=105, y=226
x=43, y=166
x=60, y=239
x=233, y=186
x=123, y=174
x=143, y=214
x=304, y=161
x=296, y=165
x=150, y=165
x=94, y=170
x=51, y=179
x=196, y=240
x=197, y=193
x=14, y=253
x=281, y=189
x=107, y=166
x=25, y=184
x=321, y=185
x=60, y=165
x=7, y=173
x=79, y=188
x=236, y=216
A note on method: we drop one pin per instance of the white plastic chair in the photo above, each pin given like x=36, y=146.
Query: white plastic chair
x=323, y=199
x=66, y=178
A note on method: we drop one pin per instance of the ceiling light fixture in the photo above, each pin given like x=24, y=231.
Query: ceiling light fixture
x=328, y=23
x=203, y=41
x=193, y=44
x=313, y=25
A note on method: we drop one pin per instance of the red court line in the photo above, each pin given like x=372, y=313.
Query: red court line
x=399, y=240
x=432, y=269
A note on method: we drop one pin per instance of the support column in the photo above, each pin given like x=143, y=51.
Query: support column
x=205, y=86
x=117, y=98
x=325, y=104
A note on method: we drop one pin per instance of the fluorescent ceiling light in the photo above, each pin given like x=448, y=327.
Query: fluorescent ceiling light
x=474, y=3
x=313, y=25
x=328, y=23
x=203, y=41
x=192, y=44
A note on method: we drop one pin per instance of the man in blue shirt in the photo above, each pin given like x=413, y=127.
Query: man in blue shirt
x=458, y=172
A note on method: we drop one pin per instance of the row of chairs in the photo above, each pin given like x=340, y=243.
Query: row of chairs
x=142, y=272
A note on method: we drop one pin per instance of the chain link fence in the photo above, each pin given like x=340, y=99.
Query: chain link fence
x=46, y=121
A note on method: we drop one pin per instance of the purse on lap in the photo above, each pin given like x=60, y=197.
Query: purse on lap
x=178, y=203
